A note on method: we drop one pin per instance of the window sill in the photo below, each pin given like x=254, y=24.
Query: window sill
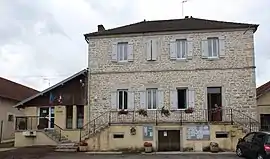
x=182, y=60
x=212, y=58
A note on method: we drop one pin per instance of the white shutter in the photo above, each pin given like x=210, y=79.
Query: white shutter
x=148, y=50
x=130, y=52
x=155, y=48
x=204, y=48
x=189, y=49
x=131, y=100
x=113, y=100
x=222, y=47
x=114, y=52
x=173, y=99
x=160, y=99
x=172, y=49
x=142, y=100
x=191, y=98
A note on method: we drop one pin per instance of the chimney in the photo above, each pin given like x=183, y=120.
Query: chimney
x=101, y=28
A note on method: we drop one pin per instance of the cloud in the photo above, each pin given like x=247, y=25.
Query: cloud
x=44, y=39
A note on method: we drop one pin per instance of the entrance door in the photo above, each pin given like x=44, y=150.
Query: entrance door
x=46, y=117
x=214, y=103
x=265, y=122
x=169, y=140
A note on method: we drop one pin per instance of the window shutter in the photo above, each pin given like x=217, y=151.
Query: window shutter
x=142, y=100
x=173, y=99
x=130, y=52
x=172, y=49
x=160, y=99
x=222, y=47
x=148, y=50
x=131, y=100
x=204, y=48
x=189, y=49
x=155, y=48
x=114, y=52
x=113, y=100
x=191, y=98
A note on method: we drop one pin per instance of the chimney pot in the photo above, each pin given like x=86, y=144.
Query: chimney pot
x=101, y=28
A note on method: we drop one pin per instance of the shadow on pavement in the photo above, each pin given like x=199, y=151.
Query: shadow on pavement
x=33, y=152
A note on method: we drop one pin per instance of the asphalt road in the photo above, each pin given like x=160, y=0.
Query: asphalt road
x=127, y=156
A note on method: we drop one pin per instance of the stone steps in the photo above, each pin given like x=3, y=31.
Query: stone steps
x=67, y=147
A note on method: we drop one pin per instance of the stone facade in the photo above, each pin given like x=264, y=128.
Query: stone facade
x=235, y=72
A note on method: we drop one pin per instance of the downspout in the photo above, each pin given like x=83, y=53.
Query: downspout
x=88, y=83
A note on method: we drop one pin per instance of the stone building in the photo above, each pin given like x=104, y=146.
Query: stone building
x=184, y=61
x=173, y=66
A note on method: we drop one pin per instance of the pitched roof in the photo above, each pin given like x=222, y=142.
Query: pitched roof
x=15, y=91
x=52, y=87
x=186, y=24
x=263, y=89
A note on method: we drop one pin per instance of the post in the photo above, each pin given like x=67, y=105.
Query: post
x=156, y=118
x=1, y=130
x=181, y=117
x=110, y=118
x=133, y=118
x=94, y=127
x=60, y=138
x=250, y=125
x=231, y=112
x=80, y=135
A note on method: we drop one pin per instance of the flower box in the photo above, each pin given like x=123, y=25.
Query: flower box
x=148, y=147
x=83, y=146
x=123, y=111
x=189, y=110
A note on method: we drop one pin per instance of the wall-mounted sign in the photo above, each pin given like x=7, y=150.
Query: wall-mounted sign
x=165, y=133
x=147, y=133
x=198, y=132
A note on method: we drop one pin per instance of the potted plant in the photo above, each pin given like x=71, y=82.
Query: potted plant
x=83, y=146
x=165, y=111
x=142, y=112
x=189, y=110
x=147, y=147
x=123, y=111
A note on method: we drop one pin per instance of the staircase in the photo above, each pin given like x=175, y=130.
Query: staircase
x=235, y=117
x=63, y=143
x=244, y=121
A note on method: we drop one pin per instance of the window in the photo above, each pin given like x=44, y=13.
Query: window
x=122, y=99
x=213, y=47
x=80, y=116
x=10, y=117
x=152, y=50
x=259, y=137
x=118, y=136
x=249, y=137
x=69, y=117
x=151, y=98
x=122, y=51
x=182, y=98
x=181, y=49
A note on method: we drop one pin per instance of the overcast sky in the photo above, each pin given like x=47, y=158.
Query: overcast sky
x=41, y=41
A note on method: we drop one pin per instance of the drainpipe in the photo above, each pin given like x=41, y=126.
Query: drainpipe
x=88, y=84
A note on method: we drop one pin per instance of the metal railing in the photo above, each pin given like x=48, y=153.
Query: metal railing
x=24, y=123
x=230, y=116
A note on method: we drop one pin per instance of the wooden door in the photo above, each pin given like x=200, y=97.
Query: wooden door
x=169, y=140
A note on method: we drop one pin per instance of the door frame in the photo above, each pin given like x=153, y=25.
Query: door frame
x=49, y=117
x=207, y=106
x=168, y=129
